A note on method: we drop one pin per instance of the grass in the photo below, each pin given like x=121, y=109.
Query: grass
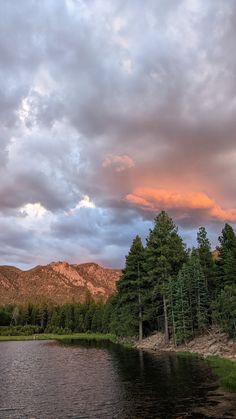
x=225, y=369
x=53, y=336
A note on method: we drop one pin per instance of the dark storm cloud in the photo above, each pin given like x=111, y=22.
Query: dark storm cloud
x=111, y=100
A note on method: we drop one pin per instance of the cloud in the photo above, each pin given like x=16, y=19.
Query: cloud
x=131, y=104
x=85, y=202
x=35, y=210
x=155, y=200
x=119, y=163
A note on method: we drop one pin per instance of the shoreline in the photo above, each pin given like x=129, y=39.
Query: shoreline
x=54, y=336
x=214, y=343
x=215, y=348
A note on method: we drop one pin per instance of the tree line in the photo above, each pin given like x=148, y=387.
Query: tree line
x=50, y=318
x=164, y=286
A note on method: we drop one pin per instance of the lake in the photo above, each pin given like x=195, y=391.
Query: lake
x=45, y=379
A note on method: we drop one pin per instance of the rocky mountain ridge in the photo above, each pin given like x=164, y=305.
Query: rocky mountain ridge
x=57, y=282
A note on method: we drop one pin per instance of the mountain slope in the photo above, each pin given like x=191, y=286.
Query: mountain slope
x=57, y=282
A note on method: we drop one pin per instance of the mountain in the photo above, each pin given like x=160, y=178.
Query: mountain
x=58, y=282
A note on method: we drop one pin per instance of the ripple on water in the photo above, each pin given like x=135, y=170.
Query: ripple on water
x=49, y=380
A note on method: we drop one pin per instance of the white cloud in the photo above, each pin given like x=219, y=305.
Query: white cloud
x=85, y=202
x=24, y=110
x=35, y=210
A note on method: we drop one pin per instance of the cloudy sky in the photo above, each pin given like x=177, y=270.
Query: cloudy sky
x=109, y=112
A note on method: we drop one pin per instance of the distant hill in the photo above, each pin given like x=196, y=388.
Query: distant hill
x=58, y=282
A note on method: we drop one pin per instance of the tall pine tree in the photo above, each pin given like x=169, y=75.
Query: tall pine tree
x=227, y=257
x=198, y=285
x=164, y=256
x=131, y=290
x=206, y=261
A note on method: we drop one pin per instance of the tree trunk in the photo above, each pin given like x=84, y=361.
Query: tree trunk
x=140, y=320
x=173, y=316
x=166, y=320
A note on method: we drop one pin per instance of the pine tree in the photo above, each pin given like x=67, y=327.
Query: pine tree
x=69, y=316
x=199, y=287
x=188, y=301
x=224, y=310
x=182, y=306
x=107, y=313
x=171, y=295
x=164, y=256
x=41, y=314
x=131, y=289
x=227, y=257
x=54, y=320
x=206, y=261
x=15, y=315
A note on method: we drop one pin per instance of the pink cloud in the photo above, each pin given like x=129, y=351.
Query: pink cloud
x=119, y=163
x=153, y=199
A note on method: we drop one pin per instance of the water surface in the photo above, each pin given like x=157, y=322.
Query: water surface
x=50, y=380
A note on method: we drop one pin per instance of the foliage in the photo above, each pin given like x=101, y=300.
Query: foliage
x=188, y=300
x=165, y=254
x=64, y=319
x=227, y=257
x=207, y=263
x=224, y=309
x=19, y=330
x=130, y=291
x=225, y=369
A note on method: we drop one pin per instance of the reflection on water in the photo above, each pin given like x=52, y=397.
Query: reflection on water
x=40, y=379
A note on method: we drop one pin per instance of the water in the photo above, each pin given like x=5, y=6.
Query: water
x=49, y=380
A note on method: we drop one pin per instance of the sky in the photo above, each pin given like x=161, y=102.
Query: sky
x=111, y=111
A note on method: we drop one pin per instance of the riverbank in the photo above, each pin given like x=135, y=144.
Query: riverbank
x=215, y=347
x=53, y=336
x=214, y=343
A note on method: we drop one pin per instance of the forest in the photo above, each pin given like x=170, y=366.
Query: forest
x=163, y=287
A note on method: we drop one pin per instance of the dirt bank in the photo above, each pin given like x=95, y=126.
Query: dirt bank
x=215, y=342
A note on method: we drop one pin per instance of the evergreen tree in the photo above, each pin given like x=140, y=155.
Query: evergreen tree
x=172, y=298
x=224, y=310
x=42, y=314
x=107, y=314
x=69, y=316
x=54, y=324
x=182, y=306
x=5, y=317
x=227, y=257
x=206, y=261
x=198, y=285
x=188, y=301
x=131, y=289
x=164, y=256
x=79, y=318
x=15, y=315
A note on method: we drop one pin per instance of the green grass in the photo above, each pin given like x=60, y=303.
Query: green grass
x=53, y=336
x=225, y=369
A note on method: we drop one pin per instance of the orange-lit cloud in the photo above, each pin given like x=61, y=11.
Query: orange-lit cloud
x=119, y=163
x=152, y=199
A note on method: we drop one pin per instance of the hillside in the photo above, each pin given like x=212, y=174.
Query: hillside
x=57, y=282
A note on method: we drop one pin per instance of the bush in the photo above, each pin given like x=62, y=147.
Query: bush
x=20, y=330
